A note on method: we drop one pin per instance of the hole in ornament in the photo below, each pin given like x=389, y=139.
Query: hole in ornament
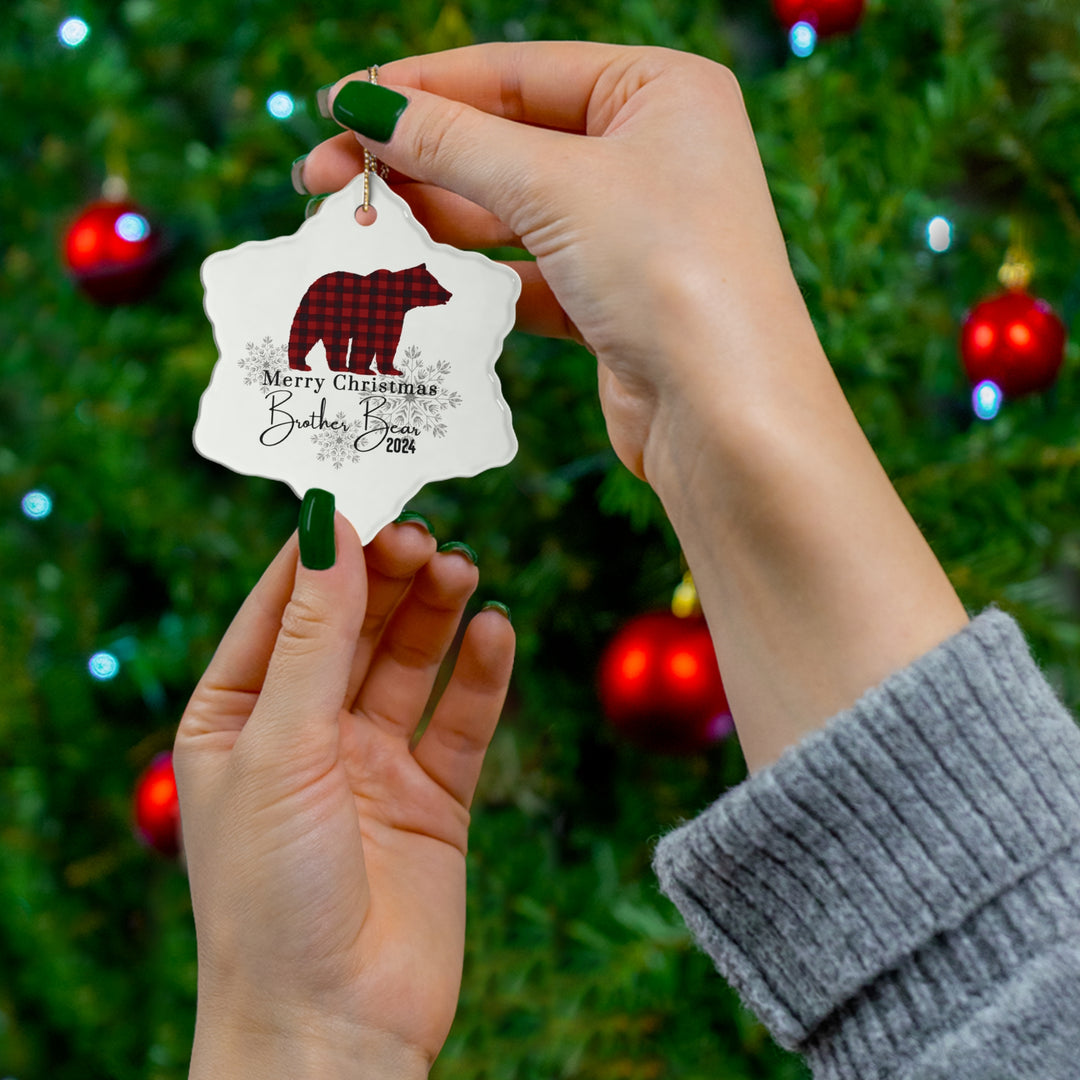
x=365, y=217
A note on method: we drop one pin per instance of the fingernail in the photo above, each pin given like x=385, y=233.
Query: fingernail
x=412, y=516
x=322, y=100
x=461, y=548
x=312, y=207
x=317, y=530
x=502, y=609
x=369, y=109
x=296, y=174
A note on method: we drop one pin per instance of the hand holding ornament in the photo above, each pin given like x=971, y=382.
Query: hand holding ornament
x=633, y=177
x=326, y=853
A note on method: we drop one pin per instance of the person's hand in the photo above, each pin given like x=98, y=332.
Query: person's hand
x=633, y=177
x=326, y=852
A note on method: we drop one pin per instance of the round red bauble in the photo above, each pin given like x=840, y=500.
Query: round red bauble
x=113, y=252
x=825, y=16
x=660, y=684
x=1014, y=340
x=157, y=807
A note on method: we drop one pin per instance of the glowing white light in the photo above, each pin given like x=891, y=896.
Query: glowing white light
x=36, y=505
x=132, y=227
x=103, y=666
x=939, y=234
x=803, y=38
x=280, y=105
x=986, y=400
x=73, y=32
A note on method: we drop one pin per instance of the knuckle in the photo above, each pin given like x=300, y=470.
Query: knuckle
x=728, y=81
x=303, y=623
x=429, y=138
x=411, y=654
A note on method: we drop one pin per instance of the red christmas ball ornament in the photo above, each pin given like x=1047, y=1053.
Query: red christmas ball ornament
x=113, y=252
x=1014, y=340
x=660, y=684
x=827, y=17
x=157, y=807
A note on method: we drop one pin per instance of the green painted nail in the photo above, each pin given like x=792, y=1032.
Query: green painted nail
x=502, y=609
x=296, y=174
x=461, y=548
x=317, y=530
x=369, y=109
x=322, y=100
x=312, y=207
x=410, y=516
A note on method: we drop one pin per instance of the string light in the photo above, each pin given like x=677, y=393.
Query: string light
x=36, y=505
x=939, y=234
x=280, y=105
x=73, y=32
x=803, y=39
x=132, y=227
x=103, y=666
x=986, y=400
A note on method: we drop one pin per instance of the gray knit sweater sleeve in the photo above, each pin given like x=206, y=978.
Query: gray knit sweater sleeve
x=898, y=897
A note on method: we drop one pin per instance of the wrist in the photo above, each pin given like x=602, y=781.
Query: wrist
x=308, y=1048
x=742, y=365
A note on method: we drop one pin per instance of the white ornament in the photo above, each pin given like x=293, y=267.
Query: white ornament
x=357, y=358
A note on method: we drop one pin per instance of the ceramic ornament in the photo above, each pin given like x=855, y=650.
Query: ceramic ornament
x=357, y=358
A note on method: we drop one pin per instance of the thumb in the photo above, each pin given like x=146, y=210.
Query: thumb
x=296, y=717
x=491, y=161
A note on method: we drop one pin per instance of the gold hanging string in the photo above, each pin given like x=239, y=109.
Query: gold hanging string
x=370, y=161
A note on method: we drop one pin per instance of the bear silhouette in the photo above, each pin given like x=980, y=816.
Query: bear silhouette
x=365, y=309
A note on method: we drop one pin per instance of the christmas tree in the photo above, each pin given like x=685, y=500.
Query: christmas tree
x=906, y=156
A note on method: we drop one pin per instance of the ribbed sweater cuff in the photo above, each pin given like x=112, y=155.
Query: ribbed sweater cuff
x=926, y=838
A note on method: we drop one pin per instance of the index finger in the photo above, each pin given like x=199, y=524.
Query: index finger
x=545, y=83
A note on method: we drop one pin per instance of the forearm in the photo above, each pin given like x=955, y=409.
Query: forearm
x=815, y=580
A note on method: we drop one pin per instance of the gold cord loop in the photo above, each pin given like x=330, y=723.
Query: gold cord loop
x=370, y=161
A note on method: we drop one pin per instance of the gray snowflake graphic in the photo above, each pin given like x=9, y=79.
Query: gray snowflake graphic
x=338, y=447
x=422, y=411
x=265, y=356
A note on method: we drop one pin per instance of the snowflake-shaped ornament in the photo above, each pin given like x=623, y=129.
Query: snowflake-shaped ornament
x=359, y=359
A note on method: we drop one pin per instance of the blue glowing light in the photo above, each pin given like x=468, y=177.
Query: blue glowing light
x=986, y=400
x=73, y=32
x=132, y=227
x=36, y=505
x=280, y=105
x=939, y=234
x=103, y=666
x=803, y=38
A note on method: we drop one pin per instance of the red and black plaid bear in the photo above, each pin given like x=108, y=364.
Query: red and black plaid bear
x=367, y=310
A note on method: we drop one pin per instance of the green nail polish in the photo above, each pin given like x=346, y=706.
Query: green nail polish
x=412, y=516
x=317, y=530
x=502, y=609
x=322, y=100
x=312, y=207
x=296, y=174
x=461, y=548
x=369, y=109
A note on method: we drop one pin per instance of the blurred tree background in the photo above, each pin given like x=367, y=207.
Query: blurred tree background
x=576, y=965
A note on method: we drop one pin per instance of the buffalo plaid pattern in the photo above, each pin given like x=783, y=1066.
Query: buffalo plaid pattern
x=367, y=310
